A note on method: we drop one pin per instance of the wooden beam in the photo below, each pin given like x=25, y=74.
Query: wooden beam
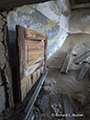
x=78, y=6
x=83, y=72
x=16, y=3
x=66, y=63
x=82, y=58
x=68, y=110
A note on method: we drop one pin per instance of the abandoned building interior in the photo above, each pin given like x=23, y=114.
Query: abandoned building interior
x=45, y=60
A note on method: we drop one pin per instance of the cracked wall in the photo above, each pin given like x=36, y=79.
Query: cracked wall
x=5, y=73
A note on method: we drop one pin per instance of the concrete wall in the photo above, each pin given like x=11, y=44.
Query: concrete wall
x=33, y=19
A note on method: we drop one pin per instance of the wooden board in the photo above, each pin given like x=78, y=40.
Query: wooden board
x=35, y=44
x=66, y=63
x=68, y=108
x=29, y=85
x=82, y=58
x=34, y=52
x=35, y=35
x=83, y=72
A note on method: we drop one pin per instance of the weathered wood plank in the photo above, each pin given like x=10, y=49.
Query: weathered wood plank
x=66, y=63
x=23, y=89
x=82, y=58
x=34, y=44
x=68, y=110
x=34, y=67
x=29, y=83
x=35, y=35
x=35, y=61
x=33, y=54
x=33, y=98
x=45, y=52
x=34, y=76
x=83, y=72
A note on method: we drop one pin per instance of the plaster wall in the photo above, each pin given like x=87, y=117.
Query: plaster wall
x=28, y=16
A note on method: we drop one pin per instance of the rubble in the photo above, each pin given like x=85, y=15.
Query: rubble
x=57, y=108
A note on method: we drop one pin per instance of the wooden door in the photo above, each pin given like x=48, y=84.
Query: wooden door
x=32, y=57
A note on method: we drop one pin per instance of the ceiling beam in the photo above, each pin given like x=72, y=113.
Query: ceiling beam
x=16, y=3
x=78, y=6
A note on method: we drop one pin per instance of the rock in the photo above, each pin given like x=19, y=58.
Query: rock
x=43, y=103
x=81, y=98
x=53, y=98
x=54, y=82
x=1, y=36
x=1, y=22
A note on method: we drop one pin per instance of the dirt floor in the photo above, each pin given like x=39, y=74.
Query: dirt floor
x=50, y=102
x=57, y=84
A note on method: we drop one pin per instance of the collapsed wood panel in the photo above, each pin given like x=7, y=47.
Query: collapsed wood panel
x=32, y=54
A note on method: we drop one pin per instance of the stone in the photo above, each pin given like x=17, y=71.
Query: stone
x=1, y=36
x=43, y=103
x=53, y=98
x=81, y=98
x=1, y=22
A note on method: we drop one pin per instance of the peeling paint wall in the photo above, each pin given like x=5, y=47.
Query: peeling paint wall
x=33, y=19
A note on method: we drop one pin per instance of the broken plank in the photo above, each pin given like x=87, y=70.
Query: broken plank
x=34, y=44
x=82, y=58
x=68, y=109
x=66, y=63
x=83, y=72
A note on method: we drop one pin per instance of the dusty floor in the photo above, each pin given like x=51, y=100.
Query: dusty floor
x=50, y=100
x=79, y=43
x=57, y=84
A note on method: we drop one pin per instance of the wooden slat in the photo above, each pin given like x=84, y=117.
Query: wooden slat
x=35, y=61
x=45, y=52
x=23, y=89
x=68, y=110
x=35, y=35
x=33, y=54
x=34, y=76
x=28, y=109
x=42, y=69
x=82, y=58
x=83, y=72
x=66, y=63
x=33, y=68
x=34, y=44
x=29, y=83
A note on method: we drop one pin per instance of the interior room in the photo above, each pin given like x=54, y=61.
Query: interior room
x=44, y=60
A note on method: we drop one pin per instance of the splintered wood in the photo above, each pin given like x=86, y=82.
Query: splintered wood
x=82, y=57
x=68, y=110
x=66, y=63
